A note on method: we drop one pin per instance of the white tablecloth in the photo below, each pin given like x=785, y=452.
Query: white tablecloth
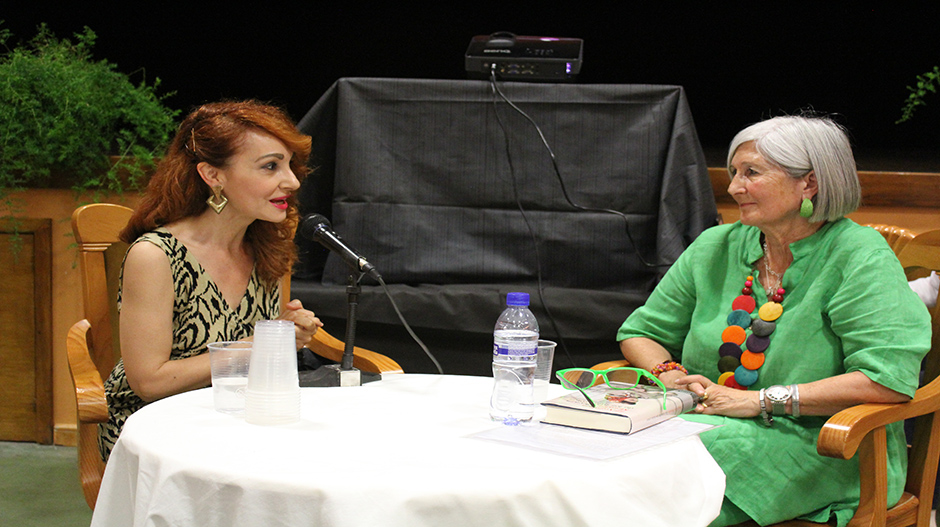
x=390, y=453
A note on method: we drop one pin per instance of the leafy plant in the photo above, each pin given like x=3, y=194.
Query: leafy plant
x=63, y=115
x=926, y=83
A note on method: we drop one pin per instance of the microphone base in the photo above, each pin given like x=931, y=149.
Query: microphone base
x=333, y=375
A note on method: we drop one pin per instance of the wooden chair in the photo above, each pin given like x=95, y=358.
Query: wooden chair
x=897, y=237
x=92, y=345
x=92, y=408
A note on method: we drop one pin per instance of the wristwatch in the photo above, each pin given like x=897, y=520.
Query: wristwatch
x=778, y=396
x=768, y=419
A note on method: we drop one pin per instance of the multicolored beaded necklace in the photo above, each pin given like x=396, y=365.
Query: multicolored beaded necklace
x=739, y=366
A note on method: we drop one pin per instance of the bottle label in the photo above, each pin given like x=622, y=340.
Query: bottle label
x=520, y=349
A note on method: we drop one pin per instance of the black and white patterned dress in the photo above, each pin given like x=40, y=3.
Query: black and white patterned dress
x=200, y=316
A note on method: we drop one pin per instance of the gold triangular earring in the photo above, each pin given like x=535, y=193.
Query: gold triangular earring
x=217, y=201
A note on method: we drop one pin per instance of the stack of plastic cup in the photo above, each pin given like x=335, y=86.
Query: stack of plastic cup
x=272, y=396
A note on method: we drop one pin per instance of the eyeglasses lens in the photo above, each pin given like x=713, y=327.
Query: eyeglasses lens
x=623, y=376
x=574, y=379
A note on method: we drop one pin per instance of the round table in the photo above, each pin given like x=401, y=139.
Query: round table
x=392, y=452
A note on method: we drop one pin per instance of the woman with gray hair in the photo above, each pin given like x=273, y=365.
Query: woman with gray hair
x=782, y=319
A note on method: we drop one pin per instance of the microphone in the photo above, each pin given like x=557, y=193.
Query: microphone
x=316, y=227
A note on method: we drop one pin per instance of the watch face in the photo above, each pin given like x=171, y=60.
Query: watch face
x=778, y=393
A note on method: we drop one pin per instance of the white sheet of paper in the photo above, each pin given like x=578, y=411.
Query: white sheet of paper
x=589, y=443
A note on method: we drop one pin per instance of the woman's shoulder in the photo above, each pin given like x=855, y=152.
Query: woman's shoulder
x=147, y=249
x=726, y=233
x=846, y=236
x=159, y=237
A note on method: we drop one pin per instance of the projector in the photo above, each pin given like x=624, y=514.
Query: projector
x=521, y=58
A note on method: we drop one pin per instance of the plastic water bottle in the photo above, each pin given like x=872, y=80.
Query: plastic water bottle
x=515, y=354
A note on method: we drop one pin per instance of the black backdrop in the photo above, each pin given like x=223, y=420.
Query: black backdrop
x=739, y=62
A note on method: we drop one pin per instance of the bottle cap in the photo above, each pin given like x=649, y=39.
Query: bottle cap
x=517, y=299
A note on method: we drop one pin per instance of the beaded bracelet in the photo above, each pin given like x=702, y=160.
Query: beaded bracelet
x=668, y=365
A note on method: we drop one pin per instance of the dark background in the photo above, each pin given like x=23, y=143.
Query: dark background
x=739, y=62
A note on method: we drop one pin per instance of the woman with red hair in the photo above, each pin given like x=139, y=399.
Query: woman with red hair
x=209, y=242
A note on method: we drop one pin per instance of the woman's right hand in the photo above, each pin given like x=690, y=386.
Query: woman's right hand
x=718, y=399
x=670, y=378
x=305, y=322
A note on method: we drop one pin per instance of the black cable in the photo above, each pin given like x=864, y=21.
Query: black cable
x=408, y=327
x=525, y=219
x=564, y=191
x=561, y=182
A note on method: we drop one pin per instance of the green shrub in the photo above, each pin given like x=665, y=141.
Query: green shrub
x=64, y=114
x=926, y=83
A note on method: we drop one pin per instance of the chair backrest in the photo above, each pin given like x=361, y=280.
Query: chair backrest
x=918, y=257
x=92, y=408
x=96, y=228
x=897, y=237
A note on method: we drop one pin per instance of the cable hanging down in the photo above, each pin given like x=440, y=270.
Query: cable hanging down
x=497, y=96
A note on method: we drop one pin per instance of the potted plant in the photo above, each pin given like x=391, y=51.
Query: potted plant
x=68, y=120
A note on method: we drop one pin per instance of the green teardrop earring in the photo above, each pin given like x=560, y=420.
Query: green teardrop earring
x=806, y=208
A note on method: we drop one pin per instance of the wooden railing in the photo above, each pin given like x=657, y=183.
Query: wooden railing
x=906, y=199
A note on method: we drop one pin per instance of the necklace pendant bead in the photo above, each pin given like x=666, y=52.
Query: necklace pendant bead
x=744, y=376
x=762, y=328
x=745, y=302
x=751, y=360
x=723, y=378
x=770, y=311
x=739, y=317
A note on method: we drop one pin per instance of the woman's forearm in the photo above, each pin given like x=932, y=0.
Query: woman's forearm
x=643, y=353
x=829, y=396
x=172, y=377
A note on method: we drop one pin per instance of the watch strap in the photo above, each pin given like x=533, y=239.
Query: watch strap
x=795, y=400
x=768, y=419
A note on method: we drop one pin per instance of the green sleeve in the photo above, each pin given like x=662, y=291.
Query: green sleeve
x=886, y=344
x=667, y=314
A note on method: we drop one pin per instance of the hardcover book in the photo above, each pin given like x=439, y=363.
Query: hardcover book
x=623, y=411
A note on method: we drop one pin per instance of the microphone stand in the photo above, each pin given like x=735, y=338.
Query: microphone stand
x=344, y=374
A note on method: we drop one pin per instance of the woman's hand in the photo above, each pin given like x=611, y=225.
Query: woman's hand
x=670, y=378
x=718, y=399
x=305, y=322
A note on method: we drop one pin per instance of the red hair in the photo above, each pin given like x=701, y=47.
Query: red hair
x=212, y=134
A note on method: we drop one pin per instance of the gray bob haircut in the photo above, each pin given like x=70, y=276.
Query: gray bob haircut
x=800, y=145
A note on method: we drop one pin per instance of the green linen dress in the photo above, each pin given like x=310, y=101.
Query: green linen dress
x=200, y=316
x=847, y=308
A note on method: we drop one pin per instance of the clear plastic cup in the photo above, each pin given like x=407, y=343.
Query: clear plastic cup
x=229, y=362
x=272, y=395
x=543, y=370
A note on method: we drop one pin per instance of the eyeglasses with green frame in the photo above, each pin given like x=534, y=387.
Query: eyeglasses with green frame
x=581, y=378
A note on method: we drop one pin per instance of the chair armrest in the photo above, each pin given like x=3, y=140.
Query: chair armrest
x=842, y=434
x=325, y=345
x=610, y=364
x=89, y=389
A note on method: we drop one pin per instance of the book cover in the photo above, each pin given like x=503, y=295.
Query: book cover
x=623, y=411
